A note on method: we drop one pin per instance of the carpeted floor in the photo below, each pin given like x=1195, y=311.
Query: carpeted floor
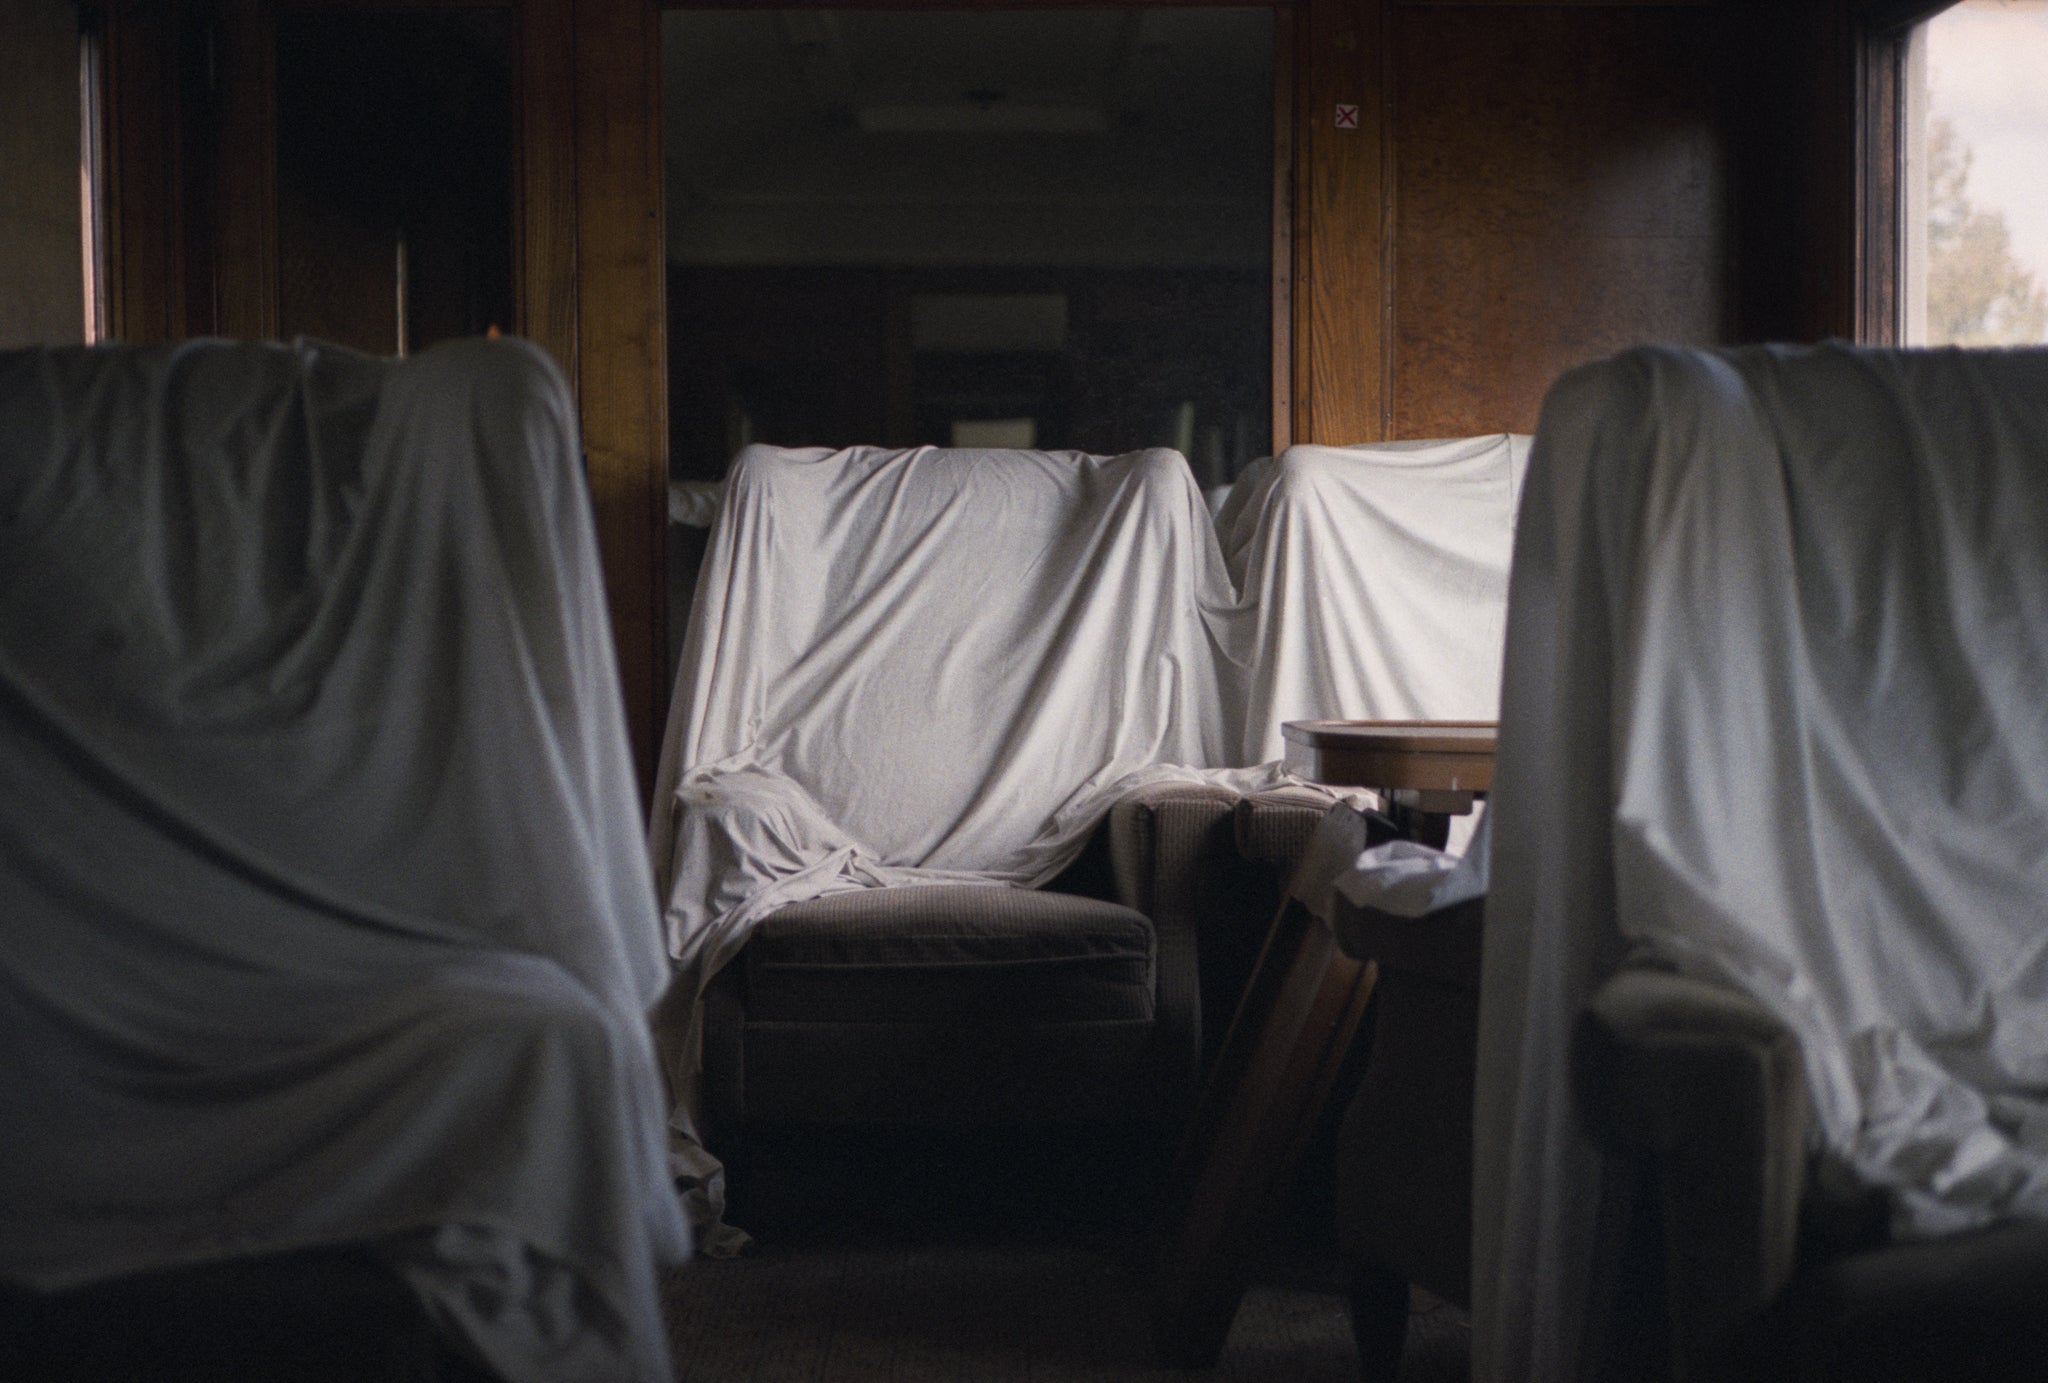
x=992, y=1314
x=953, y=1313
x=952, y=1262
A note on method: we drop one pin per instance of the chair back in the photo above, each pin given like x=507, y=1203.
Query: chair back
x=954, y=653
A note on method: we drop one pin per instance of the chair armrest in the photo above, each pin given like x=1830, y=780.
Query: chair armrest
x=1163, y=840
x=1712, y=1088
x=1169, y=852
x=1441, y=945
x=1274, y=825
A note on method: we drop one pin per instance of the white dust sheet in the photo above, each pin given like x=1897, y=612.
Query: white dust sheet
x=327, y=914
x=1773, y=713
x=945, y=665
x=928, y=666
x=1374, y=581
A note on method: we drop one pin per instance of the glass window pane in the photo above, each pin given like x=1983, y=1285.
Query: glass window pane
x=1976, y=232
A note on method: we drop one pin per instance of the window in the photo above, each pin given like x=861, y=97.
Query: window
x=1974, y=122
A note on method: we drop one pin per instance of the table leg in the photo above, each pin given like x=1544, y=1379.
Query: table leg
x=1258, y=1109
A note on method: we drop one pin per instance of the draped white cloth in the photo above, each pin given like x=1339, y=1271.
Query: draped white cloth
x=938, y=666
x=1773, y=713
x=1374, y=581
x=931, y=665
x=925, y=666
x=327, y=914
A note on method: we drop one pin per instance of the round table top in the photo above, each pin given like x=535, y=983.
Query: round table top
x=1430, y=755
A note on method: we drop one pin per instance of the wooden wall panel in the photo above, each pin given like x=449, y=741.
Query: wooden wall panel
x=544, y=232
x=246, y=279
x=621, y=374
x=143, y=201
x=1340, y=217
x=1560, y=192
x=1792, y=76
x=1285, y=67
x=42, y=291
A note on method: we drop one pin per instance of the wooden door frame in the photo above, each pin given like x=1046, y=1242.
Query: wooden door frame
x=193, y=251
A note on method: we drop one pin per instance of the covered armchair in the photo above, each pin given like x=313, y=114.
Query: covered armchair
x=1374, y=581
x=915, y=687
x=1752, y=1256
x=1760, y=1081
x=1373, y=586
x=327, y=936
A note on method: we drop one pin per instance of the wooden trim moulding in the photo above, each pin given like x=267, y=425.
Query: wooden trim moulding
x=620, y=367
x=246, y=277
x=143, y=209
x=544, y=230
x=1285, y=68
x=1880, y=185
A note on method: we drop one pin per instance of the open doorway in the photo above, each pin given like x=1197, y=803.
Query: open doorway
x=1046, y=228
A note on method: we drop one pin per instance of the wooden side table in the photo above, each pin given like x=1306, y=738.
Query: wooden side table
x=1428, y=770
x=1300, y=1011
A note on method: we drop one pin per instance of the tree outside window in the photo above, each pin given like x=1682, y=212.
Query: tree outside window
x=1977, y=293
x=1976, y=231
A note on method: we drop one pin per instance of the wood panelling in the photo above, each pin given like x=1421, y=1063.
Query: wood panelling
x=245, y=57
x=1341, y=208
x=1560, y=192
x=1791, y=73
x=1527, y=185
x=544, y=226
x=1880, y=188
x=621, y=374
x=396, y=136
x=1285, y=67
x=142, y=193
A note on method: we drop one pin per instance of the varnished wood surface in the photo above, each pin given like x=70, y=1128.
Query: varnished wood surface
x=143, y=206
x=1417, y=755
x=1392, y=327
x=544, y=246
x=1285, y=68
x=1562, y=193
x=246, y=281
x=621, y=371
x=1278, y=1063
x=1790, y=75
x=1341, y=207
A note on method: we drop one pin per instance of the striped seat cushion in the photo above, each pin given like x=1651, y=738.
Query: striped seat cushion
x=970, y=955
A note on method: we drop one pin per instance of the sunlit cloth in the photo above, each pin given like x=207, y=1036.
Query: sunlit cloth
x=1773, y=714
x=327, y=911
x=1374, y=581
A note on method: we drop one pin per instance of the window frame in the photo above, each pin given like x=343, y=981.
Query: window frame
x=1884, y=40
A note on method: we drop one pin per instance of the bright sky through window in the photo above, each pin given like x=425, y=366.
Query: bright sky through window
x=1980, y=140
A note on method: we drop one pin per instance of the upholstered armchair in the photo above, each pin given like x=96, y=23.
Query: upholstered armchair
x=936, y=821
x=1752, y=1258
x=965, y=1004
x=327, y=931
x=1764, y=918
